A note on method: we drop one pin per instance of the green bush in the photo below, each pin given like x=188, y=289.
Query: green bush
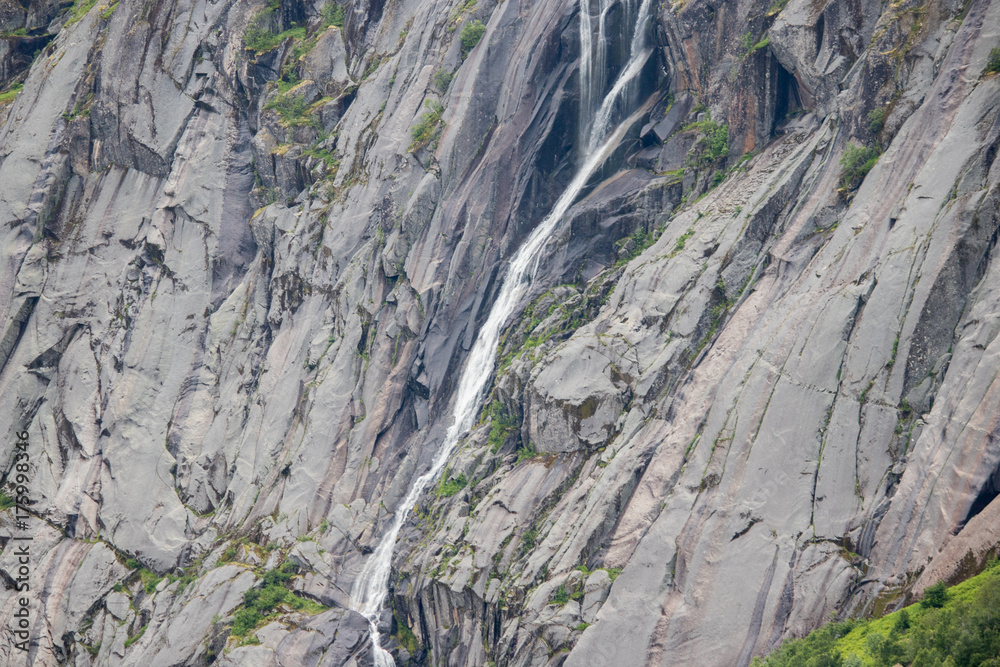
x=426, y=128
x=471, y=33
x=876, y=120
x=935, y=596
x=448, y=488
x=246, y=619
x=261, y=35
x=259, y=604
x=993, y=64
x=855, y=164
x=292, y=109
x=332, y=14
x=6, y=502
x=442, y=79
x=502, y=425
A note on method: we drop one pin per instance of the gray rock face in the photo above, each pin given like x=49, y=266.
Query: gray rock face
x=244, y=252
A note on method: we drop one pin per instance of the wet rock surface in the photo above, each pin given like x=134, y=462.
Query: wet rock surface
x=245, y=249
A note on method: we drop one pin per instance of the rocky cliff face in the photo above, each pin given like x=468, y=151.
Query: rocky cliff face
x=246, y=248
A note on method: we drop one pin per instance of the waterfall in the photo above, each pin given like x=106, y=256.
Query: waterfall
x=371, y=587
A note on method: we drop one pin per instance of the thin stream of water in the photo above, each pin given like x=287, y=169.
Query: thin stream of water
x=371, y=587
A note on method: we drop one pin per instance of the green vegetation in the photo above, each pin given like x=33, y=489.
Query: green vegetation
x=561, y=595
x=446, y=488
x=682, y=241
x=855, y=164
x=11, y=93
x=261, y=604
x=406, y=638
x=502, y=424
x=292, y=109
x=776, y=7
x=951, y=627
x=471, y=33
x=876, y=120
x=634, y=245
x=427, y=128
x=6, y=502
x=80, y=109
x=712, y=146
x=526, y=452
x=106, y=14
x=993, y=64
x=442, y=79
x=260, y=35
x=332, y=14
x=935, y=596
x=79, y=10
x=149, y=579
x=20, y=32
x=137, y=636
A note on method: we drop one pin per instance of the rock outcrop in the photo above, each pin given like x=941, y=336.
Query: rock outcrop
x=245, y=249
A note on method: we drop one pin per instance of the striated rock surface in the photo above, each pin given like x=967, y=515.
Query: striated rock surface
x=245, y=248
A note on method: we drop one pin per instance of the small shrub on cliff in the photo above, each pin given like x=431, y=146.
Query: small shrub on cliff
x=451, y=486
x=855, y=164
x=6, y=502
x=993, y=64
x=470, y=35
x=442, y=79
x=876, y=120
x=259, y=604
x=426, y=128
x=332, y=15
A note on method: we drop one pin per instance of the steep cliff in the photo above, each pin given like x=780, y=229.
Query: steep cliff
x=247, y=248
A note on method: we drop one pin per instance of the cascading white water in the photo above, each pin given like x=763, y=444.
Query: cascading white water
x=371, y=587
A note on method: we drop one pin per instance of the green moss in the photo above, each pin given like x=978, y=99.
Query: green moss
x=471, y=33
x=106, y=14
x=6, y=502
